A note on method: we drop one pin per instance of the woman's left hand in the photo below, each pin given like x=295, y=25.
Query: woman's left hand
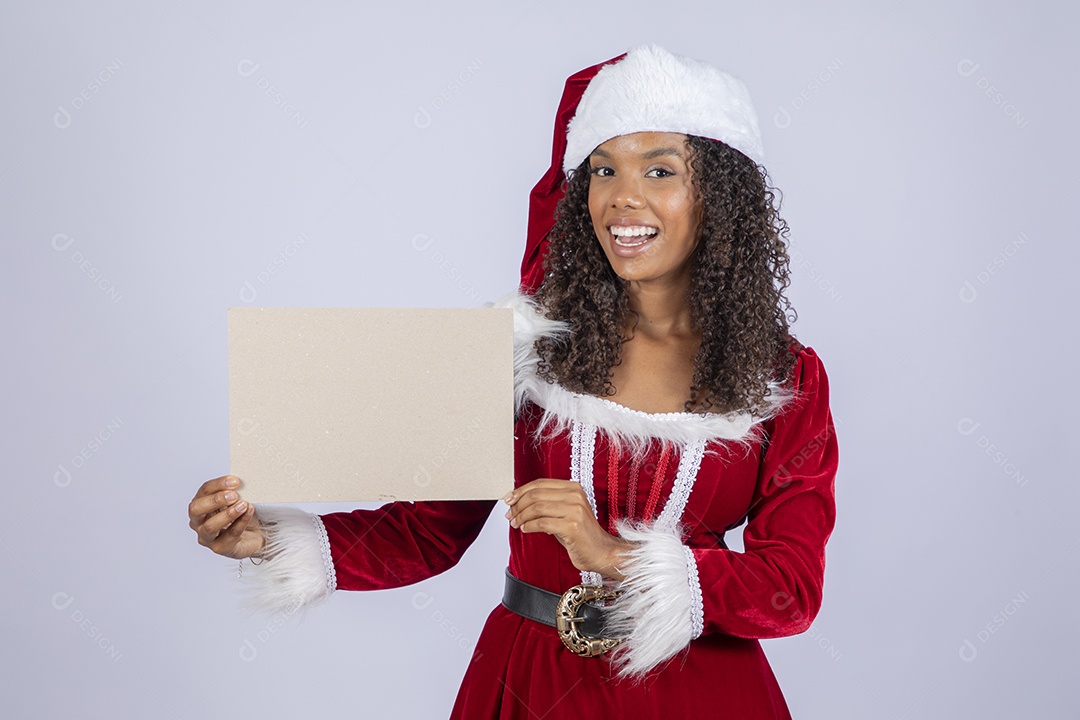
x=560, y=508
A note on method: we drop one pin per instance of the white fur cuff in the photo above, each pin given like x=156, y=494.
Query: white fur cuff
x=298, y=571
x=660, y=609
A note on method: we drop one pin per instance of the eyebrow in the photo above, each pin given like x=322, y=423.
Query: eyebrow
x=659, y=152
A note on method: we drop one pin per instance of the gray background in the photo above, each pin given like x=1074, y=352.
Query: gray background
x=148, y=181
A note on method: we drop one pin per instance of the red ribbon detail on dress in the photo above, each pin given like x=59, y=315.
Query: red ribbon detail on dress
x=655, y=487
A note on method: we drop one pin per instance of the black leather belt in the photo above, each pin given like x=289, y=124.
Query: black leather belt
x=538, y=604
x=580, y=625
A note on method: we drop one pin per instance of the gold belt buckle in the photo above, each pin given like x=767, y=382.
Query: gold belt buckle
x=567, y=618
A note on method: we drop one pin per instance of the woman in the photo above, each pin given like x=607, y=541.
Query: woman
x=661, y=401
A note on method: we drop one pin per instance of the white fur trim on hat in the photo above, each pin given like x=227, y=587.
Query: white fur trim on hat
x=652, y=90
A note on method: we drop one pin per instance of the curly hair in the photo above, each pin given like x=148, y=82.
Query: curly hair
x=736, y=297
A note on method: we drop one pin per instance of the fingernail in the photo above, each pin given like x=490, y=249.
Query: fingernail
x=241, y=506
x=507, y=515
x=232, y=482
x=230, y=496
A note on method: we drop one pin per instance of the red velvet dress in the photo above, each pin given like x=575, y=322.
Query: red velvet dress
x=781, y=482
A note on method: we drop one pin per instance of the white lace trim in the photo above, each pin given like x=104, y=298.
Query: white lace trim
x=689, y=463
x=582, y=454
x=582, y=448
x=697, y=608
x=324, y=549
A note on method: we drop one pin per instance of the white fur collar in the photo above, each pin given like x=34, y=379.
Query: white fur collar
x=634, y=428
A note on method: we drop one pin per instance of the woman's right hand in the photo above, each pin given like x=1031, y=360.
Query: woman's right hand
x=225, y=522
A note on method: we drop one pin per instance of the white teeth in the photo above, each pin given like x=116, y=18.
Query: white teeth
x=645, y=233
x=634, y=231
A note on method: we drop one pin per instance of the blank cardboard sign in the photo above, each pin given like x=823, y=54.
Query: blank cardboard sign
x=336, y=404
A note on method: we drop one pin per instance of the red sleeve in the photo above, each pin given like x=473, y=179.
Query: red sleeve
x=401, y=542
x=774, y=587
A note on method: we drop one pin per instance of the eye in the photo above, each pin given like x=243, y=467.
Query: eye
x=601, y=171
x=664, y=173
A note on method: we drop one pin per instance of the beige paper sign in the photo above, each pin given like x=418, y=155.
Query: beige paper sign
x=334, y=404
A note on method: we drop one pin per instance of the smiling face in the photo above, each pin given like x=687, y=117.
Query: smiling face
x=644, y=207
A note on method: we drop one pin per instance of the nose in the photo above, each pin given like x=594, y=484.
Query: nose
x=627, y=193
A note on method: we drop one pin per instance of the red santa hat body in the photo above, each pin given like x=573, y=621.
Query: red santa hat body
x=647, y=89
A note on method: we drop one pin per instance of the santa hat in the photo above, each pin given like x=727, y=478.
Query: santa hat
x=647, y=89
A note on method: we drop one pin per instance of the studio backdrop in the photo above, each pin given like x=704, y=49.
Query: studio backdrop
x=162, y=162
